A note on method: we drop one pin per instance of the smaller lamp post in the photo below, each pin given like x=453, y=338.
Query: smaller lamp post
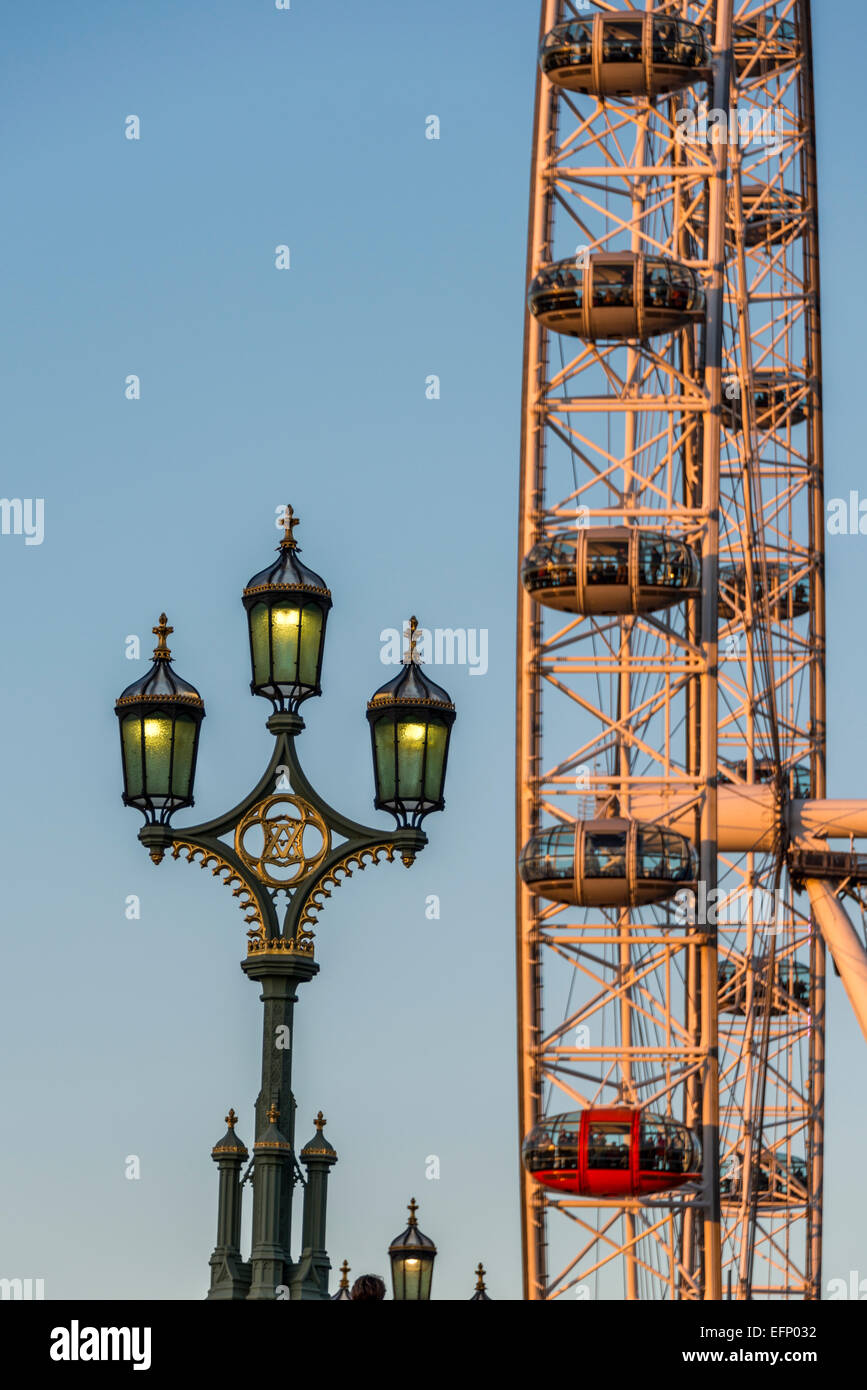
x=412, y=1256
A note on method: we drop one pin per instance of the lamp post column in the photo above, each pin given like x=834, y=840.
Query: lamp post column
x=279, y=972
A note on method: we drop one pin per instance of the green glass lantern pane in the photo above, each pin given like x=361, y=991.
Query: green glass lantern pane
x=158, y=752
x=285, y=626
x=259, y=640
x=385, y=760
x=411, y=736
x=182, y=764
x=412, y=1277
x=311, y=634
x=132, y=760
x=437, y=735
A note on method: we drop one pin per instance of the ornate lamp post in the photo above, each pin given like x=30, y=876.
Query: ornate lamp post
x=281, y=851
x=412, y=1255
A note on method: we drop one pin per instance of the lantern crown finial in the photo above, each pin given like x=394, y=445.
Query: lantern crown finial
x=412, y=1209
x=480, y=1280
x=161, y=632
x=231, y=1119
x=344, y=1275
x=320, y=1121
x=290, y=521
x=412, y=657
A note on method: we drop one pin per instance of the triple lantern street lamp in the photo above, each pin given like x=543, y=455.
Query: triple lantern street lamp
x=282, y=850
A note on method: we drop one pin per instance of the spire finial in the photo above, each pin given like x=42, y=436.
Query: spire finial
x=344, y=1275
x=413, y=1208
x=480, y=1281
x=231, y=1119
x=412, y=657
x=320, y=1121
x=162, y=631
x=290, y=521
x=273, y=1114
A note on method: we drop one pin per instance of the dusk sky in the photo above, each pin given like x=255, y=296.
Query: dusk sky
x=155, y=257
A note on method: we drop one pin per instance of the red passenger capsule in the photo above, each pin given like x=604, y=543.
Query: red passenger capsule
x=617, y=1151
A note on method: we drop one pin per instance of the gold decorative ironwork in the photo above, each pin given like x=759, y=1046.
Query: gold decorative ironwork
x=161, y=632
x=286, y=825
x=320, y=1121
x=229, y=875
x=315, y=900
x=278, y=945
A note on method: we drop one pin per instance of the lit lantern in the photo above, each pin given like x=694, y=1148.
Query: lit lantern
x=412, y=1255
x=159, y=718
x=410, y=724
x=287, y=608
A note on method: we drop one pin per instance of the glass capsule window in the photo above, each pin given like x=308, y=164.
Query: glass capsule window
x=608, y=1144
x=668, y=285
x=607, y=562
x=664, y=1147
x=614, y=286
x=692, y=51
x=622, y=42
x=550, y=855
x=551, y=565
x=604, y=854
x=553, y=1144
x=666, y=564
x=665, y=40
x=663, y=854
x=556, y=285
x=568, y=45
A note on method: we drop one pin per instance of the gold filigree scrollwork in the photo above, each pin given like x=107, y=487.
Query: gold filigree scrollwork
x=282, y=839
x=317, y=895
x=228, y=875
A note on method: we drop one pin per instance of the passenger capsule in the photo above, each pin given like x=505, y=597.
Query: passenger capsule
x=617, y=295
x=619, y=1151
x=775, y=43
x=791, y=986
x=610, y=862
x=775, y=1180
x=611, y=570
x=797, y=778
x=788, y=597
x=778, y=400
x=614, y=55
x=769, y=213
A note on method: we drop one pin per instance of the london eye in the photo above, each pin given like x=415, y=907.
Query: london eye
x=681, y=875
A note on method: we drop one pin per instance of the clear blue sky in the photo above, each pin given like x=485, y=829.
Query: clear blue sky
x=155, y=257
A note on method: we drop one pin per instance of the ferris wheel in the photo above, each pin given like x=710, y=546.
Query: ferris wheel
x=679, y=872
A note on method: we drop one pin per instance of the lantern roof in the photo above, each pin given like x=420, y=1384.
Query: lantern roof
x=411, y=686
x=412, y=1240
x=161, y=682
x=287, y=572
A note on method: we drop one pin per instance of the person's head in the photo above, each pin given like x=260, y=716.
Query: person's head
x=368, y=1286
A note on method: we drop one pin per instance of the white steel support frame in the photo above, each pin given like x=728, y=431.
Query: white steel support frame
x=690, y=705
